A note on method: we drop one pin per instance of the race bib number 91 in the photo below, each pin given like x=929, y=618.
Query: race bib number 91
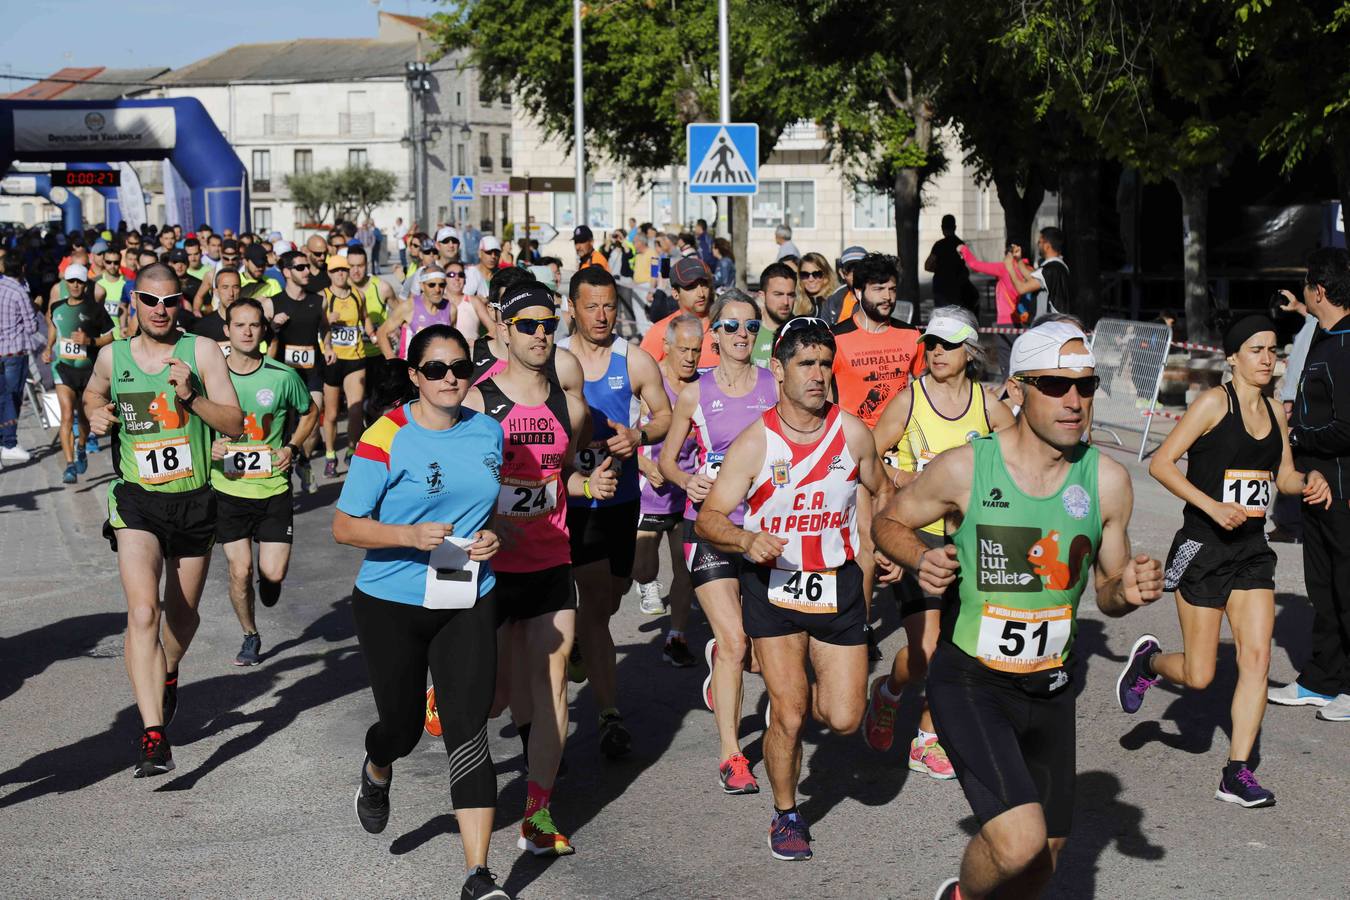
x=248, y=460
x=1248, y=488
x=810, y=592
x=590, y=458
x=158, y=462
x=527, y=499
x=1024, y=640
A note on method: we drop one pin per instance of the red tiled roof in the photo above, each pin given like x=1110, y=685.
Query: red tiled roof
x=56, y=84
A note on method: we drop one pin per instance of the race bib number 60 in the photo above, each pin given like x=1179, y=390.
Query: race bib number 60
x=298, y=357
x=1024, y=640
x=811, y=592
x=158, y=462
x=1248, y=488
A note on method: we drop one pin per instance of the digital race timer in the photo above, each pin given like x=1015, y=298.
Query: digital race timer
x=72, y=178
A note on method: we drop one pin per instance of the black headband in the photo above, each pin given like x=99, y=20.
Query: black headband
x=1242, y=330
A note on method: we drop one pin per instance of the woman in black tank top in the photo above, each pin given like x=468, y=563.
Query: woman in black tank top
x=1237, y=441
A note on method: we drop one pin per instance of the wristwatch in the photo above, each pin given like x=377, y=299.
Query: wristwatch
x=642, y=437
x=191, y=399
x=296, y=453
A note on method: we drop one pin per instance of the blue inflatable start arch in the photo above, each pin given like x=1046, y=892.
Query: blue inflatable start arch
x=178, y=129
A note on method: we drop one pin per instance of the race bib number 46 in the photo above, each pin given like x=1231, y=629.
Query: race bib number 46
x=248, y=460
x=810, y=592
x=527, y=499
x=1024, y=640
x=158, y=462
x=1248, y=488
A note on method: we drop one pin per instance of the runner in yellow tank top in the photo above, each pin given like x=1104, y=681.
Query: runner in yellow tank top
x=945, y=408
x=349, y=329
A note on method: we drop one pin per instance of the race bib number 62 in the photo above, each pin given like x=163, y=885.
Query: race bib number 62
x=248, y=460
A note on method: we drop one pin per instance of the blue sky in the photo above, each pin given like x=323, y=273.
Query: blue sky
x=51, y=34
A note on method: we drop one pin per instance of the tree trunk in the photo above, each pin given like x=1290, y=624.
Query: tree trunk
x=738, y=215
x=1079, y=205
x=1194, y=189
x=907, y=204
x=1019, y=207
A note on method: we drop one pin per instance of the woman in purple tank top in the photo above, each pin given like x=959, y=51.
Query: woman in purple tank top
x=428, y=307
x=714, y=410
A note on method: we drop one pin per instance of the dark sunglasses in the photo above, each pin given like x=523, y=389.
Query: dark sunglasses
x=486, y=252
x=1058, y=385
x=532, y=326
x=731, y=326
x=812, y=273
x=931, y=342
x=169, y=300
x=434, y=370
x=448, y=241
x=454, y=274
x=800, y=322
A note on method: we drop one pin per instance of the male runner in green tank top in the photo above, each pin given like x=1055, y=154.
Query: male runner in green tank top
x=1028, y=511
x=111, y=290
x=251, y=475
x=76, y=327
x=160, y=394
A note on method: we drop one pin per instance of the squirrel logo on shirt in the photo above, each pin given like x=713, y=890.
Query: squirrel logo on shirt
x=1045, y=562
x=166, y=412
x=255, y=432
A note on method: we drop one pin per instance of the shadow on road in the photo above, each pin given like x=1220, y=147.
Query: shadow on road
x=31, y=652
x=1101, y=819
x=24, y=501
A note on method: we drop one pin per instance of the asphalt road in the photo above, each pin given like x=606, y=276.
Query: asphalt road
x=261, y=801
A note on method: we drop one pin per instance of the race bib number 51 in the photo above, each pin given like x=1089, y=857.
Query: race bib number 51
x=1024, y=640
x=158, y=462
x=810, y=592
x=1249, y=489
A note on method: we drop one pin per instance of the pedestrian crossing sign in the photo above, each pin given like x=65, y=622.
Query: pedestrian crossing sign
x=723, y=158
x=461, y=188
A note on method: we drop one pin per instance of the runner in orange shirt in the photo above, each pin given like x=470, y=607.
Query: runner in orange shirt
x=692, y=283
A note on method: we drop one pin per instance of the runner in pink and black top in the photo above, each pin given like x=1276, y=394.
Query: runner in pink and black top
x=714, y=410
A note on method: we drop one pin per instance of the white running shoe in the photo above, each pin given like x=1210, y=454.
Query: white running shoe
x=15, y=454
x=652, y=604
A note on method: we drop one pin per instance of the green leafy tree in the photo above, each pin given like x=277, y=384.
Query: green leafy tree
x=346, y=193
x=316, y=194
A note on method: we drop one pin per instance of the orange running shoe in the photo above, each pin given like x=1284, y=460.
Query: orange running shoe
x=541, y=837
x=433, y=722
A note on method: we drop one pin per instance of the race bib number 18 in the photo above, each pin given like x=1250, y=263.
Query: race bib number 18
x=158, y=462
x=1248, y=488
x=1024, y=640
x=811, y=592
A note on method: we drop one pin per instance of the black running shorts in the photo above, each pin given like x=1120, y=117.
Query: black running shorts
x=660, y=523
x=525, y=595
x=604, y=533
x=267, y=521
x=1204, y=574
x=75, y=379
x=908, y=595
x=336, y=372
x=1009, y=748
x=764, y=619
x=704, y=561
x=184, y=524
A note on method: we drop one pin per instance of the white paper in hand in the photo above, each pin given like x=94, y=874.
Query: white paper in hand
x=452, y=578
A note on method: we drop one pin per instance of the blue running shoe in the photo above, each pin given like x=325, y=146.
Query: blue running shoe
x=69, y=477
x=1238, y=785
x=1135, y=679
x=81, y=462
x=91, y=445
x=1295, y=694
x=789, y=837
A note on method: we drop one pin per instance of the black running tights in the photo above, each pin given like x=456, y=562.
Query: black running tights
x=399, y=643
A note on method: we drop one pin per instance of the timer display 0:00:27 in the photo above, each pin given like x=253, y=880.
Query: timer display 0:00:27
x=82, y=178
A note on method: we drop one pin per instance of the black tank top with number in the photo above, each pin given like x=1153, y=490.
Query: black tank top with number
x=1231, y=466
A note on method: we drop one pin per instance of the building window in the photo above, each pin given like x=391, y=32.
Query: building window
x=790, y=202
x=699, y=206
x=564, y=212
x=357, y=158
x=506, y=151
x=442, y=214
x=459, y=98
x=872, y=208
x=29, y=213
x=600, y=205
x=484, y=152
x=661, y=212
x=304, y=162
x=262, y=219
x=459, y=160
x=484, y=95
x=262, y=170
x=982, y=209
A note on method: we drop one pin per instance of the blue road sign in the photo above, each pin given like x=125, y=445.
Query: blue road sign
x=723, y=159
x=461, y=188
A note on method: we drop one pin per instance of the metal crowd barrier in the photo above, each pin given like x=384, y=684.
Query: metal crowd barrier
x=1131, y=357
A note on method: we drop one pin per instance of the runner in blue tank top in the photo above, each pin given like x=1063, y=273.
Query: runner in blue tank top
x=604, y=532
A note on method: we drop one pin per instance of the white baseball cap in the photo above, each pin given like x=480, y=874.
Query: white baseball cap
x=952, y=330
x=489, y=242
x=281, y=246
x=76, y=272
x=1040, y=348
x=446, y=233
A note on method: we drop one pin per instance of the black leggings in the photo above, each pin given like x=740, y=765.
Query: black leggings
x=399, y=643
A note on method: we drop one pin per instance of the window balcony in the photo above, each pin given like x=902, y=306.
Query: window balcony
x=281, y=126
x=356, y=124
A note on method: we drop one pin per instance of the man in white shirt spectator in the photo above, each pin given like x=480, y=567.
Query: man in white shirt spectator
x=480, y=276
x=18, y=334
x=401, y=242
